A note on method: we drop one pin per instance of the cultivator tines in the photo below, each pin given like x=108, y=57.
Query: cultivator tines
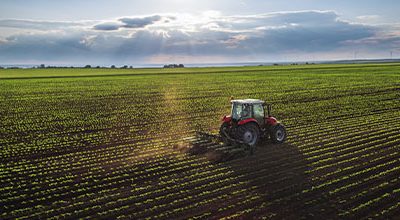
x=204, y=135
x=214, y=148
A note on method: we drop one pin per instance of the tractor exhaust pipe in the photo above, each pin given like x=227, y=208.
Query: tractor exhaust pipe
x=269, y=107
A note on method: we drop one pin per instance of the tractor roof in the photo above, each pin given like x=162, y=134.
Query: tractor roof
x=248, y=101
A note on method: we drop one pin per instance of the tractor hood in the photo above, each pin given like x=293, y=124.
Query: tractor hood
x=227, y=119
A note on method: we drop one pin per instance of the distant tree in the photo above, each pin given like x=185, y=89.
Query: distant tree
x=97, y=67
x=124, y=67
x=174, y=66
x=130, y=67
x=42, y=66
x=112, y=66
x=1, y=67
x=88, y=66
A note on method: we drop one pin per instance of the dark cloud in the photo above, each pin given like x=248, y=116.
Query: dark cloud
x=308, y=38
x=139, y=22
x=107, y=26
x=43, y=47
x=131, y=23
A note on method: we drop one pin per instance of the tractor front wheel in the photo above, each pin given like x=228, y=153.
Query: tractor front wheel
x=278, y=134
x=249, y=134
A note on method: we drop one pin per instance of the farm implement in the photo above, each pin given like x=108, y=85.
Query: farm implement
x=249, y=124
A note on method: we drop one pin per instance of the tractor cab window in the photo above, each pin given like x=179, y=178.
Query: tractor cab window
x=241, y=111
x=237, y=111
x=258, y=113
x=258, y=110
x=246, y=112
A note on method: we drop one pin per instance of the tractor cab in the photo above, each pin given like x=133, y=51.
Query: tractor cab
x=249, y=109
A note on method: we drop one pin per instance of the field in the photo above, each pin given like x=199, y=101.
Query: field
x=105, y=143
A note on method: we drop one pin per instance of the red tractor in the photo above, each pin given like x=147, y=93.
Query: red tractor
x=249, y=122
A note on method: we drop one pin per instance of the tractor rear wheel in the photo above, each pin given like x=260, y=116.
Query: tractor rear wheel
x=249, y=134
x=278, y=134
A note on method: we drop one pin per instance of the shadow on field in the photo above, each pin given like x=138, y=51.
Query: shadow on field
x=273, y=179
x=276, y=175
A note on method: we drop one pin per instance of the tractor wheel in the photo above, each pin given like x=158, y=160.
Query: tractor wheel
x=249, y=133
x=278, y=134
x=223, y=130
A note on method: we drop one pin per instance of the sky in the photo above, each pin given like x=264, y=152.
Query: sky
x=129, y=32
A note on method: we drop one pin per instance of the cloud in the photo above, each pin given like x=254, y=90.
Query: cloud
x=52, y=46
x=139, y=22
x=38, y=25
x=132, y=23
x=381, y=42
x=108, y=26
x=270, y=36
x=304, y=31
x=368, y=18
